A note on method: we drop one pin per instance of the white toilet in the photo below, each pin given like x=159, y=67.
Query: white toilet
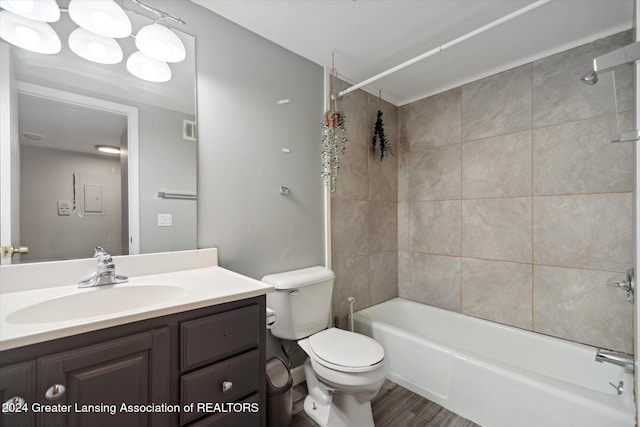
x=344, y=370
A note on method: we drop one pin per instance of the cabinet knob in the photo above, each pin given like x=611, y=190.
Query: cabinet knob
x=14, y=402
x=55, y=392
x=226, y=386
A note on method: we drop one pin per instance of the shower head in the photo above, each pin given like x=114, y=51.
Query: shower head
x=609, y=61
x=590, y=78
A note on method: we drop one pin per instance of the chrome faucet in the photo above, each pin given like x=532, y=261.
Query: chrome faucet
x=106, y=272
x=616, y=358
x=619, y=388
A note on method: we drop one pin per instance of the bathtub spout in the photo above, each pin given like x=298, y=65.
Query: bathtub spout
x=616, y=358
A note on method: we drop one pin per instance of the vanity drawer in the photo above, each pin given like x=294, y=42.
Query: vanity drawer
x=248, y=416
x=213, y=338
x=240, y=374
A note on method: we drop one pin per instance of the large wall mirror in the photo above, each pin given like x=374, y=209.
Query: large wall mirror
x=70, y=197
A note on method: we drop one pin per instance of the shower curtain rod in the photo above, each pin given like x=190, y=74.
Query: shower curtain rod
x=440, y=48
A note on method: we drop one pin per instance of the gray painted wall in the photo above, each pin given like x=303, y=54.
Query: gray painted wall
x=167, y=163
x=50, y=236
x=241, y=133
x=240, y=139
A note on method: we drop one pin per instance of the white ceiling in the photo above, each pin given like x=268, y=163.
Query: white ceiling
x=68, y=127
x=371, y=36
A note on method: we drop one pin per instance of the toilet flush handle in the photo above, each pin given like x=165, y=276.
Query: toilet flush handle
x=294, y=292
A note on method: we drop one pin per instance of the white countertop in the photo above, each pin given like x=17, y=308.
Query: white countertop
x=41, y=314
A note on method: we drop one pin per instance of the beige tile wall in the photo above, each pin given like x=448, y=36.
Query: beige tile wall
x=512, y=204
x=364, y=210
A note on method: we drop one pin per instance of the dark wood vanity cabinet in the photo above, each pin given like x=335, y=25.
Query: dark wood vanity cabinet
x=203, y=367
x=220, y=361
x=98, y=379
x=17, y=389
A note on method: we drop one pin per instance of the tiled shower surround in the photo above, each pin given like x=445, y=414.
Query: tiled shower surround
x=513, y=204
x=504, y=200
x=364, y=220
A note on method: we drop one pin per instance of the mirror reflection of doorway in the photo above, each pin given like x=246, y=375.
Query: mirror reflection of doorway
x=156, y=119
x=72, y=196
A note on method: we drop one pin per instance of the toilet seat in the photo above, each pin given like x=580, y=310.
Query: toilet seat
x=346, y=351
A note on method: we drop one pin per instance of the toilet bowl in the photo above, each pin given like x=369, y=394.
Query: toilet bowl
x=344, y=370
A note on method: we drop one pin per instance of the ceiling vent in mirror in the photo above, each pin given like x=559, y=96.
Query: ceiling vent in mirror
x=189, y=130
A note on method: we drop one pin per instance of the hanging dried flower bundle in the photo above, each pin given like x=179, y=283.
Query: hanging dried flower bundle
x=378, y=133
x=379, y=136
x=334, y=139
x=333, y=130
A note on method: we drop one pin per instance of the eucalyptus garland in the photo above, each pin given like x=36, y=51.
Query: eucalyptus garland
x=378, y=135
x=333, y=129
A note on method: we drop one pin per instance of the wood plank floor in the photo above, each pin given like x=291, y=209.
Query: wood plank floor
x=394, y=406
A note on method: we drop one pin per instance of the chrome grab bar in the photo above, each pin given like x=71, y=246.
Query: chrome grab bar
x=620, y=359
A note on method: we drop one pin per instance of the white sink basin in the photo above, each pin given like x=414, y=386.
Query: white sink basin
x=42, y=302
x=96, y=301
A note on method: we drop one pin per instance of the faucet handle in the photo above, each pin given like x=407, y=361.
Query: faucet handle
x=102, y=255
x=615, y=283
x=105, y=273
x=105, y=262
x=628, y=284
x=99, y=251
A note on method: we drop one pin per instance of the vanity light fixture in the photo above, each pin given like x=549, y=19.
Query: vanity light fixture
x=46, y=10
x=157, y=41
x=94, y=47
x=28, y=34
x=103, y=17
x=145, y=68
x=101, y=21
x=109, y=149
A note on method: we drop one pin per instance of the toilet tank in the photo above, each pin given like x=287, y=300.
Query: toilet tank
x=302, y=301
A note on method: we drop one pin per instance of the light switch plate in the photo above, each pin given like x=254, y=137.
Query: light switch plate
x=165, y=220
x=64, y=208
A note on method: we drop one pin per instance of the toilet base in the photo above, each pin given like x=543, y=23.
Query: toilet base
x=344, y=410
x=339, y=398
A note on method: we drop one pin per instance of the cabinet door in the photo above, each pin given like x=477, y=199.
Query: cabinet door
x=17, y=392
x=98, y=380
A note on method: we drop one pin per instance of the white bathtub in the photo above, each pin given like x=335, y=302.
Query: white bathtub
x=496, y=375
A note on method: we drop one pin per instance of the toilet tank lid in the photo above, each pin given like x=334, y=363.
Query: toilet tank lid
x=298, y=278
